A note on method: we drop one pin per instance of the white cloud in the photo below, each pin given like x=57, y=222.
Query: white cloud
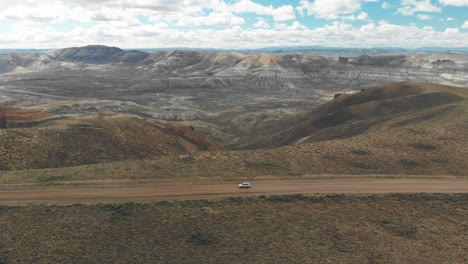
x=361, y=16
x=46, y=13
x=424, y=17
x=450, y=19
x=339, y=34
x=409, y=7
x=117, y=23
x=282, y=13
x=451, y=31
x=280, y=26
x=89, y=10
x=330, y=9
x=183, y=6
x=261, y=24
x=386, y=5
x=454, y=2
x=297, y=26
x=224, y=19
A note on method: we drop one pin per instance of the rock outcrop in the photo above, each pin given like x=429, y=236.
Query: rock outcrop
x=11, y=117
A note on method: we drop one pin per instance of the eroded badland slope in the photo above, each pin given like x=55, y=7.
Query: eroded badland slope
x=403, y=128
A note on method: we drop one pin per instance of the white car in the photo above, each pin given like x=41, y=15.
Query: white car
x=244, y=185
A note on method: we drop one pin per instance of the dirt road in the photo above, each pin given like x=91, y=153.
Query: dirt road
x=157, y=191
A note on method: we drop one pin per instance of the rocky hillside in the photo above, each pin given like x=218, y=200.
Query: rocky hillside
x=350, y=115
x=11, y=117
x=97, y=54
x=65, y=143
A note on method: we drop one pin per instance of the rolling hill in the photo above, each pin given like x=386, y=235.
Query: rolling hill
x=69, y=142
x=399, y=129
x=353, y=114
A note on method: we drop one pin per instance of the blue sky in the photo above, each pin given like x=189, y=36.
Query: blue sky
x=233, y=23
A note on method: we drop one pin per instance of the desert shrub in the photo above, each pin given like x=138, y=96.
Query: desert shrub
x=120, y=210
x=280, y=198
x=287, y=198
x=235, y=200
x=4, y=208
x=3, y=260
x=409, y=163
x=162, y=203
x=53, y=178
x=363, y=165
x=459, y=172
x=424, y=146
x=441, y=160
x=249, y=199
x=260, y=164
x=297, y=197
x=188, y=159
x=202, y=238
x=360, y=152
x=401, y=228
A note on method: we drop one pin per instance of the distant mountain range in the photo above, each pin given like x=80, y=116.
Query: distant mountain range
x=293, y=49
x=3, y=51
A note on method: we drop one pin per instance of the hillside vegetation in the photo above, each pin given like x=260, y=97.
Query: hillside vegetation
x=419, y=228
x=73, y=142
x=371, y=109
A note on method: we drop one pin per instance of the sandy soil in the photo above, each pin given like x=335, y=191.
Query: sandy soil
x=109, y=192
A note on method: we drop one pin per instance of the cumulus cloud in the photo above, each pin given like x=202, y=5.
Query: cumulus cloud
x=454, y=2
x=409, y=7
x=280, y=26
x=340, y=34
x=224, y=19
x=89, y=10
x=424, y=17
x=194, y=23
x=46, y=13
x=361, y=16
x=282, y=13
x=330, y=9
x=386, y=5
x=451, y=32
x=191, y=6
x=261, y=24
x=297, y=26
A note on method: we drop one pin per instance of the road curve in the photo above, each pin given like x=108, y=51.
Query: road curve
x=157, y=191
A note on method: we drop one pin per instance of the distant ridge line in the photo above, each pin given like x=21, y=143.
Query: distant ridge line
x=286, y=49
